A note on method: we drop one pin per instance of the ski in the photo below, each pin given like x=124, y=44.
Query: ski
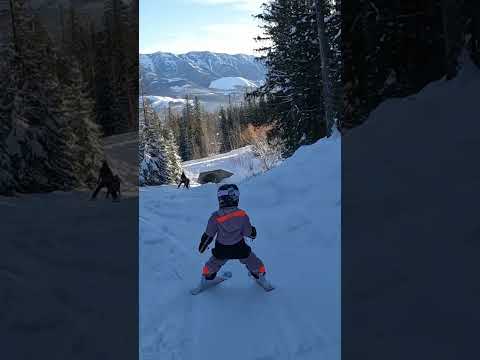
x=263, y=282
x=207, y=284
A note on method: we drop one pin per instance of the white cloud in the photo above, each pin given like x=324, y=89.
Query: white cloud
x=227, y=38
x=249, y=5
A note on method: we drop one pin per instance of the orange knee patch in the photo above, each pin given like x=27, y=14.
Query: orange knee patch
x=262, y=269
x=205, y=270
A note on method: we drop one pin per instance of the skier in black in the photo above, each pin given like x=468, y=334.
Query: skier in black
x=184, y=180
x=105, y=179
x=114, y=188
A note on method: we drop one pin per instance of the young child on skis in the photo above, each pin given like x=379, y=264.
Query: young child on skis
x=229, y=224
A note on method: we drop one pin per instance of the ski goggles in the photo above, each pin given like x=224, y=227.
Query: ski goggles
x=229, y=192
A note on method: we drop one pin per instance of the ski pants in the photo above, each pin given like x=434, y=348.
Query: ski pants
x=185, y=183
x=108, y=185
x=252, y=262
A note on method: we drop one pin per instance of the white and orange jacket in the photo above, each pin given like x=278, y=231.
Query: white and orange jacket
x=230, y=225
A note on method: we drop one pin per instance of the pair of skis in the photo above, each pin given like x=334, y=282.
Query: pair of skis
x=207, y=284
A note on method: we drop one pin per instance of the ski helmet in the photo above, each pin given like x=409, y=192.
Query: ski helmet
x=228, y=195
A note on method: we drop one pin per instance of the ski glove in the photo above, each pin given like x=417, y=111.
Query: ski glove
x=204, y=242
x=254, y=233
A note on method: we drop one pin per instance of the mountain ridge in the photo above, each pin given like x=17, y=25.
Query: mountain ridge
x=166, y=74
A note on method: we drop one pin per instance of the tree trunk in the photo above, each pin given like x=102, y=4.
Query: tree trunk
x=16, y=45
x=143, y=104
x=324, y=58
x=446, y=37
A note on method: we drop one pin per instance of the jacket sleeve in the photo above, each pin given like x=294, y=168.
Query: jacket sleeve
x=247, y=228
x=212, y=226
x=204, y=242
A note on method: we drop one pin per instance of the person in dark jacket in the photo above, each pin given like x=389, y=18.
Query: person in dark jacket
x=105, y=179
x=114, y=188
x=184, y=180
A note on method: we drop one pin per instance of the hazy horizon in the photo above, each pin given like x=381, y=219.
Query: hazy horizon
x=183, y=53
x=220, y=26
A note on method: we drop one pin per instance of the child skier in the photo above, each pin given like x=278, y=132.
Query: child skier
x=230, y=224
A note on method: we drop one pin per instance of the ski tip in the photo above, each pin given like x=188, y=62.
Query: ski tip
x=227, y=274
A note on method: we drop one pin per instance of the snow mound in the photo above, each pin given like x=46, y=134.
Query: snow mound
x=296, y=210
x=231, y=83
x=241, y=162
x=414, y=190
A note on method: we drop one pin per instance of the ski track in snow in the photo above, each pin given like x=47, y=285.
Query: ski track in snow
x=229, y=155
x=299, y=241
x=241, y=162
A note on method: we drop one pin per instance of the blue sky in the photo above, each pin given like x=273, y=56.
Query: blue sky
x=179, y=26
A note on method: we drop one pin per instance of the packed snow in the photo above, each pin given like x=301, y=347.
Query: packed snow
x=296, y=210
x=410, y=227
x=232, y=83
x=69, y=267
x=121, y=152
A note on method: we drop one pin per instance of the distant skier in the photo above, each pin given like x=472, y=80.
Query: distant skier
x=230, y=224
x=184, y=180
x=105, y=179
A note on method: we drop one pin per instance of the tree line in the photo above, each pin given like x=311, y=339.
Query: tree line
x=303, y=88
x=332, y=62
x=159, y=158
x=200, y=133
x=175, y=135
x=394, y=48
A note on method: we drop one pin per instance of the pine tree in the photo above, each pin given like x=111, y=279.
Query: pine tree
x=185, y=138
x=36, y=128
x=197, y=136
x=173, y=158
x=294, y=87
x=154, y=167
x=7, y=181
x=224, y=132
x=78, y=109
x=48, y=138
x=141, y=143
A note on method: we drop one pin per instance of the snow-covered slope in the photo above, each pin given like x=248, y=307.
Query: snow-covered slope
x=68, y=268
x=232, y=83
x=241, y=162
x=410, y=227
x=296, y=209
x=121, y=152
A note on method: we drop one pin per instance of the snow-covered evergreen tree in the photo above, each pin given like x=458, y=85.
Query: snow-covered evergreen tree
x=78, y=111
x=159, y=158
x=196, y=134
x=225, y=131
x=48, y=139
x=293, y=87
x=7, y=180
x=185, y=138
x=141, y=143
x=35, y=126
x=173, y=158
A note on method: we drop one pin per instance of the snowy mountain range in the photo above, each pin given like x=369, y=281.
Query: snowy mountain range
x=213, y=77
